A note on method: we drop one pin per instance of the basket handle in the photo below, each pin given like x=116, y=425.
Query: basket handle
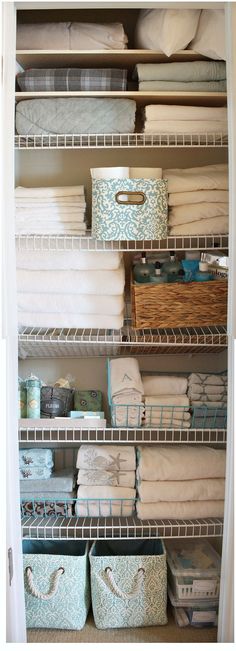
x=138, y=582
x=54, y=583
x=129, y=197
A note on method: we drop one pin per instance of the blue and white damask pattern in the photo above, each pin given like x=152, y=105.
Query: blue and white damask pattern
x=68, y=608
x=114, y=221
x=148, y=608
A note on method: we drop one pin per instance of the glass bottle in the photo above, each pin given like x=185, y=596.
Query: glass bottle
x=203, y=272
x=142, y=270
x=172, y=267
x=158, y=277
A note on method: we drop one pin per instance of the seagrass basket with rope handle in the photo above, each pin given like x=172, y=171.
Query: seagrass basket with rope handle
x=179, y=305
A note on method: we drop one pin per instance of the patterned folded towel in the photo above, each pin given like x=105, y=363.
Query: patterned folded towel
x=106, y=478
x=35, y=472
x=61, y=481
x=40, y=457
x=106, y=457
x=53, y=79
x=46, y=507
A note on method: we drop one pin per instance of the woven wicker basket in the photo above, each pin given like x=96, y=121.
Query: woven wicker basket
x=179, y=305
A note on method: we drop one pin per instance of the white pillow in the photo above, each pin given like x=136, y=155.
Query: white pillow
x=210, y=35
x=167, y=30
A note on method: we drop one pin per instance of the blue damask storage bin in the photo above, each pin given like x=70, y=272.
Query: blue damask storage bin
x=128, y=583
x=129, y=209
x=56, y=578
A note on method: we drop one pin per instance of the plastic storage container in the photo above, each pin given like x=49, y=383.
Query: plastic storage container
x=193, y=569
x=202, y=613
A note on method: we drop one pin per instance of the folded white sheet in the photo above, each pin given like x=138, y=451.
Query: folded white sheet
x=77, y=260
x=79, y=231
x=50, y=202
x=73, y=281
x=70, y=303
x=210, y=196
x=51, y=218
x=195, y=212
x=102, y=477
x=208, y=379
x=45, y=211
x=181, y=510
x=186, y=113
x=181, y=491
x=53, y=192
x=211, y=226
x=56, y=320
x=155, y=385
x=95, y=501
x=106, y=457
x=191, y=179
x=125, y=376
x=186, y=126
x=180, y=463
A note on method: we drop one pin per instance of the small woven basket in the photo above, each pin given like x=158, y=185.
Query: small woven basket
x=179, y=305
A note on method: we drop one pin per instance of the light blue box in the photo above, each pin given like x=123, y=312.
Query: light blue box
x=86, y=414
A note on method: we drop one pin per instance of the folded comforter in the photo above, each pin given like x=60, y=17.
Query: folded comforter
x=75, y=115
x=175, y=463
x=70, y=303
x=72, y=281
x=77, y=260
x=54, y=79
x=181, y=491
x=193, y=71
x=181, y=510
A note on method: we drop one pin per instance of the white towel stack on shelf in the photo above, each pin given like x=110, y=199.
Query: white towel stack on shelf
x=70, y=289
x=50, y=211
x=180, y=482
x=126, y=391
x=106, y=480
x=189, y=120
x=208, y=396
x=166, y=402
x=198, y=200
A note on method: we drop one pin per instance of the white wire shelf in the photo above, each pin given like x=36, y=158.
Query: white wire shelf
x=119, y=141
x=88, y=243
x=49, y=431
x=61, y=528
x=51, y=343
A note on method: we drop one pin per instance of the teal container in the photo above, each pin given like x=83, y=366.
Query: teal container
x=22, y=399
x=58, y=570
x=33, y=387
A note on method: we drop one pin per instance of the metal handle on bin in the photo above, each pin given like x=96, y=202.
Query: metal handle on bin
x=138, y=582
x=129, y=193
x=54, y=583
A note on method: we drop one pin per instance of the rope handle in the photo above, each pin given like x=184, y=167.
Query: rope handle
x=138, y=582
x=54, y=583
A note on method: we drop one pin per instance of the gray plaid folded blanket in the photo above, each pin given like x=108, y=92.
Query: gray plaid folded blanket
x=53, y=79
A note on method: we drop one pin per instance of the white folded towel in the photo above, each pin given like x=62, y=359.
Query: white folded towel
x=195, y=212
x=181, y=510
x=211, y=226
x=186, y=127
x=128, y=415
x=200, y=196
x=128, y=398
x=101, y=477
x=158, y=385
x=179, y=463
x=95, y=501
x=61, y=191
x=125, y=376
x=72, y=281
x=192, y=179
x=165, y=422
x=106, y=457
x=70, y=303
x=47, y=202
x=181, y=491
x=181, y=402
x=56, y=320
x=67, y=228
x=45, y=212
x=161, y=411
x=34, y=220
x=78, y=260
x=208, y=379
x=187, y=113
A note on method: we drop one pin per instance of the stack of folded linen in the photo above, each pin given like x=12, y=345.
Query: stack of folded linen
x=179, y=482
x=173, y=119
x=208, y=396
x=53, y=496
x=201, y=76
x=59, y=210
x=71, y=36
x=70, y=289
x=166, y=402
x=106, y=479
x=35, y=464
x=72, y=79
x=75, y=115
x=198, y=200
x=125, y=392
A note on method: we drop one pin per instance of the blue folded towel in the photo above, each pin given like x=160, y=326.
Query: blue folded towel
x=35, y=472
x=36, y=457
x=61, y=481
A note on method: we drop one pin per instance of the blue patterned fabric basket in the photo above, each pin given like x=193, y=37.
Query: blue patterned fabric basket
x=129, y=209
x=128, y=583
x=56, y=577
